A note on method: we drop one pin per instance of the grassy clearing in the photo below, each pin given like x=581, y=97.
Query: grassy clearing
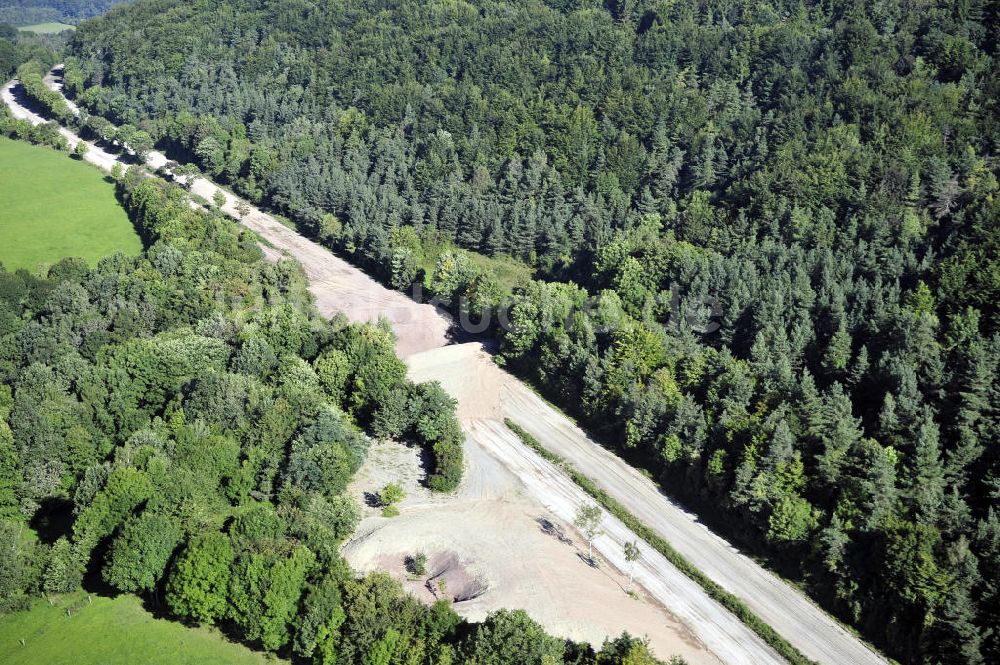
x=54, y=207
x=509, y=272
x=639, y=528
x=112, y=631
x=47, y=28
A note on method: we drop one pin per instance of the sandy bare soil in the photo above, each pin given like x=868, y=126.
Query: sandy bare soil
x=496, y=546
x=482, y=389
x=487, y=392
x=489, y=531
x=340, y=287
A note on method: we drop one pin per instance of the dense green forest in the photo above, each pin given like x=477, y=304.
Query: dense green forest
x=765, y=239
x=26, y=12
x=182, y=425
x=17, y=48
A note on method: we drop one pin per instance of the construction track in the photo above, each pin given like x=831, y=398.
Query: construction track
x=486, y=395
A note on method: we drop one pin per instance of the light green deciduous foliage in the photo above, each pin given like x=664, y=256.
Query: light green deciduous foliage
x=325, y=456
x=264, y=593
x=10, y=475
x=384, y=649
x=333, y=368
x=437, y=427
x=198, y=584
x=417, y=564
x=16, y=570
x=588, y=520
x=140, y=553
x=125, y=489
x=51, y=102
x=632, y=554
x=623, y=651
x=792, y=520
x=65, y=567
x=389, y=496
x=510, y=636
x=317, y=632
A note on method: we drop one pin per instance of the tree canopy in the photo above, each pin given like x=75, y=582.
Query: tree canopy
x=184, y=424
x=763, y=240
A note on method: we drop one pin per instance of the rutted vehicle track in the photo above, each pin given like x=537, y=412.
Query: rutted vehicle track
x=486, y=395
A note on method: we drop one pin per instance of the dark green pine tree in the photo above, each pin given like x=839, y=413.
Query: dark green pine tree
x=954, y=638
x=987, y=547
x=838, y=432
x=927, y=485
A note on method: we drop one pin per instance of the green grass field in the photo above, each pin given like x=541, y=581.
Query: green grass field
x=52, y=206
x=509, y=272
x=112, y=631
x=47, y=28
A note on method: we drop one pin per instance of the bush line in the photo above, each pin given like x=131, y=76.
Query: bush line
x=714, y=590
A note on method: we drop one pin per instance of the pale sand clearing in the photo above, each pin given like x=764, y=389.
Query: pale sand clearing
x=467, y=372
x=486, y=394
x=340, y=287
x=497, y=547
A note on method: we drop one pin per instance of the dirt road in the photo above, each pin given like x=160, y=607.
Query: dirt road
x=486, y=395
x=724, y=635
x=493, y=545
x=486, y=392
x=16, y=103
x=336, y=284
x=340, y=287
